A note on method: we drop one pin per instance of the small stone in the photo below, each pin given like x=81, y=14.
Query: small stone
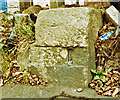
x=70, y=63
x=17, y=73
x=14, y=62
x=64, y=53
x=115, y=92
x=79, y=90
x=1, y=82
x=34, y=76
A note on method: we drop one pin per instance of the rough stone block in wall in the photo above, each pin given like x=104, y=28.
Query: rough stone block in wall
x=67, y=27
x=49, y=56
x=69, y=76
x=113, y=15
x=65, y=40
x=79, y=56
x=44, y=57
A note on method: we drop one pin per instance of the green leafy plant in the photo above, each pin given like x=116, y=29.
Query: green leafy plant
x=25, y=78
x=98, y=75
x=108, y=70
x=9, y=78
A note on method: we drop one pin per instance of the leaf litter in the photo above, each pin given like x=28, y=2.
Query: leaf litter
x=106, y=80
x=13, y=44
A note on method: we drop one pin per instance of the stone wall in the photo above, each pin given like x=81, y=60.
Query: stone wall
x=64, y=46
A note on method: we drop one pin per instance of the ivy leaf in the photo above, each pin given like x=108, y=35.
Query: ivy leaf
x=96, y=77
x=108, y=70
x=98, y=72
x=102, y=78
x=25, y=78
x=93, y=71
x=9, y=78
x=108, y=66
x=101, y=85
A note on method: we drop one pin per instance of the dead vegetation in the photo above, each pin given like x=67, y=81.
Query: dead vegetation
x=18, y=40
x=107, y=75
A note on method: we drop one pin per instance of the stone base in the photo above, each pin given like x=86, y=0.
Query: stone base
x=67, y=66
x=46, y=92
x=70, y=76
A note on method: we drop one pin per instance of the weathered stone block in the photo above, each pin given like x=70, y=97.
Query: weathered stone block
x=79, y=56
x=44, y=57
x=67, y=27
x=49, y=56
x=64, y=47
x=113, y=15
x=70, y=76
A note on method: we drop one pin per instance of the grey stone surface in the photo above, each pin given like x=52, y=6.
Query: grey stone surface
x=49, y=56
x=113, y=15
x=67, y=27
x=79, y=56
x=53, y=64
x=64, y=49
x=42, y=92
x=23, y=60
x=44, y=57
x=70, y=76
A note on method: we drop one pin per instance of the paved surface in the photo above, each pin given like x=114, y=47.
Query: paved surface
x=27, y=91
